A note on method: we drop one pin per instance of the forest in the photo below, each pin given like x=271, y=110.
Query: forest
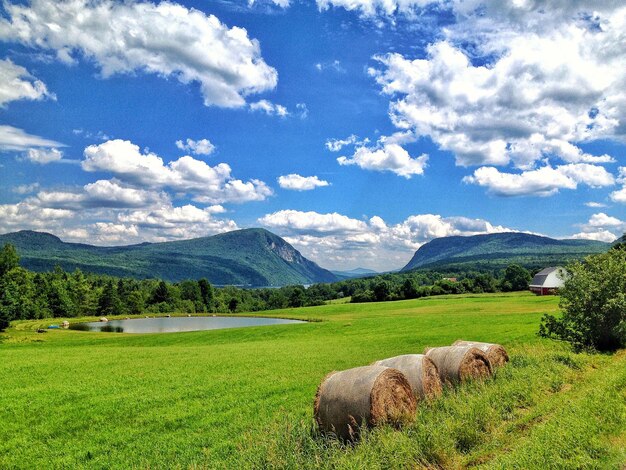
x=28, y=295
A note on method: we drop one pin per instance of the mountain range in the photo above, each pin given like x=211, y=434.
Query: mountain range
x=498, y=250
x=250, y=258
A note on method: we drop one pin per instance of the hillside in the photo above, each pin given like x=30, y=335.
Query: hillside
x=251, y=257
x=498, y=250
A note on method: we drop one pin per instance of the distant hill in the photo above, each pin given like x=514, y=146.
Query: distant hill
x=498, y=250
x=357, y=272
x=251, y=257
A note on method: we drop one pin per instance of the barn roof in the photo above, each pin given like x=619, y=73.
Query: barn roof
x=548, y=277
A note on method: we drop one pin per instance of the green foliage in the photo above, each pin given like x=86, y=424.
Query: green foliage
x=250, y=258
x=496, y=251
x=9, y=259
x=593, y=301
x=516, y=278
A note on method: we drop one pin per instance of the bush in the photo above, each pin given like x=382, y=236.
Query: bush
x=593, y=301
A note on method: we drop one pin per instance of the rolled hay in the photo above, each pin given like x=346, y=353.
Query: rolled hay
x=420, y=371
x=369, y=395
x=496, y=353
x=459, y=363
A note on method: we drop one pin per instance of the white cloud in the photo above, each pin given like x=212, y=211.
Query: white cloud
x=101, y=194
x=620, y=194
x=197, y=147
x=601, y=227
x=338, y=241
x=203, y=182
x=369, y=8
x=595, y=204
x=391, y=157
x=269, y=108
x=312, y=222
x=26, y=188
x=17, y=84
x=44, y=156
x=301, y=183
x=599, y=235
x=29, y=215
x=12, y=138
x=335, y=145
x=544, y=181
x=167, y=39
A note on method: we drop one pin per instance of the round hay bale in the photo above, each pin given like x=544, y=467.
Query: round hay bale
x=496, y=353
x=369, y=395
x=420, y=371
x=459, y=363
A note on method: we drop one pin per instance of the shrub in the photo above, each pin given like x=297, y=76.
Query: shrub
x=593, y=301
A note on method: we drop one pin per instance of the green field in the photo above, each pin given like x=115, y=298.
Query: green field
x=242, y=398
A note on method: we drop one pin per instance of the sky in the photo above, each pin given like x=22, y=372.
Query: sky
x=358, y=130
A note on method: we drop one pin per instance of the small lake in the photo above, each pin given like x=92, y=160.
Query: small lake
x=177, y=324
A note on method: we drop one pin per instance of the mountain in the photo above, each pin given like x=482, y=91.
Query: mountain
x=250, y=257
x=498, y=250
x=357, y=272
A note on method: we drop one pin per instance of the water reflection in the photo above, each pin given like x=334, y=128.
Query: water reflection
x=177, y=324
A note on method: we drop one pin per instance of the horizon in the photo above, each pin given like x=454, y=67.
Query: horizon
x=357, y=131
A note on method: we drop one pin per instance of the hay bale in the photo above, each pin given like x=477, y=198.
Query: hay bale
x=370, y=395
x=496, y=353
x=420, y=371
x=459, y=363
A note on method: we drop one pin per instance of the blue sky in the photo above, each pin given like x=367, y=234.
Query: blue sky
x=356, y=129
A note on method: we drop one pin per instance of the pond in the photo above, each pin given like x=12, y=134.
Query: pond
x=177, y=324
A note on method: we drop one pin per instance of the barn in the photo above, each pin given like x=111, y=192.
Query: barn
x=547, y=281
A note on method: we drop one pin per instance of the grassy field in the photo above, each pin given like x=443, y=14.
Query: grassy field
x=242, y=398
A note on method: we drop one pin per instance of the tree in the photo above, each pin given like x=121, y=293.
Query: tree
x=382, y=290
x=9, y=259
x=593, y=301
x=207, y=293
x=515, y=278
x=109, y=303
x=161, y=294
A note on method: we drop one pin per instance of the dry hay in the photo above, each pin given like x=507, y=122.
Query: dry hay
x=459, y=363
x=370, y=395
x=496, y=353
x=420, y=371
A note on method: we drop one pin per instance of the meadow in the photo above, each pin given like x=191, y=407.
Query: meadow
x=242, y=398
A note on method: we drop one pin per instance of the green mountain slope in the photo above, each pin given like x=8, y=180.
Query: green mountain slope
x=251, y=257
x=498, y=250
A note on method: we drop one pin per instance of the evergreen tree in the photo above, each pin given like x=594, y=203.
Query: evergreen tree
x=9, y=259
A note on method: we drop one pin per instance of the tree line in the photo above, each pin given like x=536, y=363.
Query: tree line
x=59, y=294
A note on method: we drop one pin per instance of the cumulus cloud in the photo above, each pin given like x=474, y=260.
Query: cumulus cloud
x=601, y=227
x=30, y=215
x=196, y=147
x=335, y=145
x=166, y=39
x=101, y=194
x=269, y=108
x=17, y=84
x=26, y=188
x=370, y=8
x=44, y=156
x=203, y=182
x=301, y=183
x=390, y=157
x=544, y=181
x=339, y=241
x=620, y=195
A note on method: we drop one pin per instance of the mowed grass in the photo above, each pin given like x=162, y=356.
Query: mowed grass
x=242, y=398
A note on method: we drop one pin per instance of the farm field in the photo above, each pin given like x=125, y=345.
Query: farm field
x=242, y=398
